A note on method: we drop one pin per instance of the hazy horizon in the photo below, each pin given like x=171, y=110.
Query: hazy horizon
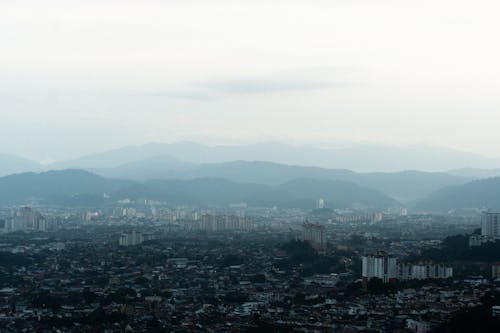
x=336, y=146
x=90, y=76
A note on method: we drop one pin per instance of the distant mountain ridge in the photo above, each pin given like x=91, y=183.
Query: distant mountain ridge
x=77, y=187
x=475, y=173
x=10, y=164
x=361, y=158
x=82, y=188
x=48, y=185
x=478, y=194
x=405, y=186
x=275, y=164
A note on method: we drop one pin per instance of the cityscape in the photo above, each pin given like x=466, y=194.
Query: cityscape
x=146, y=266
x=264, y=166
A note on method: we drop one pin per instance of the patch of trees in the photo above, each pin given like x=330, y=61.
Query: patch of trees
x=457, y=248
x=303, y=256
x=236, y=298
x=299, y=252
x=13, y=259
x=46, y=300
x=262, y=326
x=232, y=260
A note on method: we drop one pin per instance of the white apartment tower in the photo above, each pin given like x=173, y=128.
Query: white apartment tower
x=490, y=224
x=379, y=265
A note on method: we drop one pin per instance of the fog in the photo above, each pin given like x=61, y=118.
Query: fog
x=79, y=77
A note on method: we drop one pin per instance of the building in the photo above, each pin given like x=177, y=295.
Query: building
x=377, y=217
x=3, y=226
x=404, y=212
x=40, y=223
x=208, y=222
x=423, y=271
x=216, y=223
x=477, y=240
x=495, y=271
x=418, y=326
x=321, y=204
x=314, y=234
x=323, y=280
x=26, y=219
x=382, y=266
x=490, y=224
x=131, y=239
x=379, y=265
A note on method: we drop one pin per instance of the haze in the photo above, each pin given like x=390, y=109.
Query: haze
x=78, y=77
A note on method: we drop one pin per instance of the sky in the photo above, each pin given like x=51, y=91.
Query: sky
x=77, y=77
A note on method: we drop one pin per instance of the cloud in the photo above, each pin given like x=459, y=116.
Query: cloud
x=191, y=96
x=262, y=86
x=305, y=79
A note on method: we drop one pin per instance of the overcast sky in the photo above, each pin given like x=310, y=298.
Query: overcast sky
x=82, y=76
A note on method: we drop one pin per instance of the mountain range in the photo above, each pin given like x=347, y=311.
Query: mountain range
x=361, y=158
x=78, y=187
x=82, y=188
x=405, y=186
x=478, y=194
x=259, y=174
x=10, y=164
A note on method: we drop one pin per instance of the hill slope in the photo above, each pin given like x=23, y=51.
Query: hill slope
x=76, y=187
x=404, y=186
x=49, y=185
x=484, y=193
x=10, y=164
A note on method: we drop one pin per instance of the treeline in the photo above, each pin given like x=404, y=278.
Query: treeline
x=302, y=256
x=457, y=248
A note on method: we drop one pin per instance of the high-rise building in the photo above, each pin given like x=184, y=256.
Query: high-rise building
x=26, y=219
x=131, y=238
x=490, y=224
x=495, y=271
x=208, y=222
x=379, y=265
x=40, y=223
x=315, y=235
x=423, y=270
x=378, y=216
x=3, y=226
x=321, y=204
